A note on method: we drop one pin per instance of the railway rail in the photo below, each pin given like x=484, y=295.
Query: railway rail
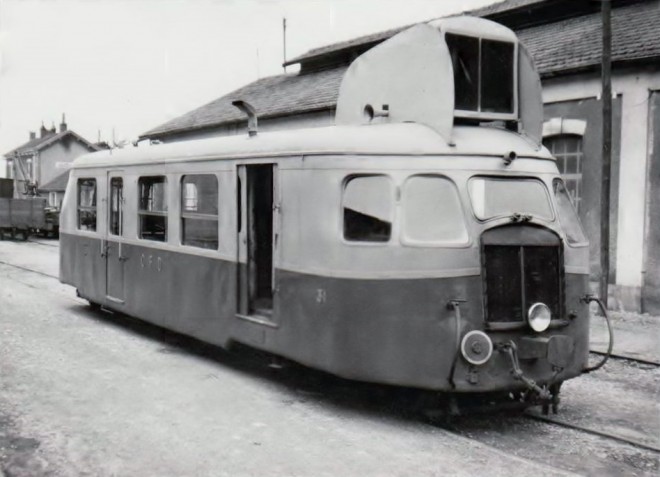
x=28, y=269
x=627, y=358
x=557, y=421
x=41, y=242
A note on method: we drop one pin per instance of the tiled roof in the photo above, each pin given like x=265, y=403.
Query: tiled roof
x=347, y=45
x=39, y=143
x=273, y=96
x=575, y=43
x=504, y=6
x=557, y=47
x=58, y=184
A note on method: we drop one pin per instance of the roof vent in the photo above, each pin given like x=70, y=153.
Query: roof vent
x=251, y=113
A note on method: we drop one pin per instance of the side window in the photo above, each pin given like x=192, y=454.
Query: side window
x=567, y=148
x=568, y=217
x=199, y=211
x=152, y=208
x=432, y=211
x=368, y=209
x=116, y=206
x=87, y=204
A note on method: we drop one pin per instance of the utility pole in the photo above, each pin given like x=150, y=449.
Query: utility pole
x=284, y=43
x=606, y=77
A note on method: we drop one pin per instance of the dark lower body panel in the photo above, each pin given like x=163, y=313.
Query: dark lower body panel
x=395, y=331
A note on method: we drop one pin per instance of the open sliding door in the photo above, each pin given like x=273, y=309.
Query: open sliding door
x=257, y=239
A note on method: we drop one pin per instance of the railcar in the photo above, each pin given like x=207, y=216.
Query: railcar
x=425, y=240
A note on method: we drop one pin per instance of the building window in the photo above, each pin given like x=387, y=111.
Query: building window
x=432, y=212
x=567, y=148
x=87, y=204
x=199, y=211
x=152, y=208
x=10, y=169
x=116, y=205
x=368, y=209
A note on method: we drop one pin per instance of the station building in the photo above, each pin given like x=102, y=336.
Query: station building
x=37, y=164
x=564, y=37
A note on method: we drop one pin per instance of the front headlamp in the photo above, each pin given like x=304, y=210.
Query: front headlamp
x=539, y=316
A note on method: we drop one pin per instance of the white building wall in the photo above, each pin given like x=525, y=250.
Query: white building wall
x=634, y=87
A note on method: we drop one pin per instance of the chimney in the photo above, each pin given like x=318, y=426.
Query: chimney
x=53, y=130
x=43, y=131
x=63, y=126
x=33, y=135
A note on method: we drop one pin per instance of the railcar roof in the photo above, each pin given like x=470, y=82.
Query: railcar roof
x=381, y=139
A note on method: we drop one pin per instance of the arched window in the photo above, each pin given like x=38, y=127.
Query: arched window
x=567, y=148
x=563, y=137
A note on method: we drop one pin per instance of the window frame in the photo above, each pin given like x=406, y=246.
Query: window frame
x=579, y=158
x=141, y=213
x=479, y=114
x=184, y=215
x=434, y=243
x=548, y=194
x=93, y=208
x=367, y=243
x=583, y=243
x=120, y=207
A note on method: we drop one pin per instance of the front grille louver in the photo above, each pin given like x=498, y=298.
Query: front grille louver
x=522, y=265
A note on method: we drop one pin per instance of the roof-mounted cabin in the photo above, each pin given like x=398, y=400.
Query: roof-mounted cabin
x=459, y=70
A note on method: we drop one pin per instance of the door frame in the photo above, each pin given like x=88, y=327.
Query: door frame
x=113, y=246
x=244, y=222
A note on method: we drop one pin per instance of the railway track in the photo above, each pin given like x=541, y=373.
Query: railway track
x=557, y=421
x=28, y=269
x=627, y=358
x=41, y=242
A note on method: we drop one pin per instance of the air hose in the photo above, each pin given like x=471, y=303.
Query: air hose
x=588, y=299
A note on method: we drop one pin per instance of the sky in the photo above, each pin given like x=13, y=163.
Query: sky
x=130, y=65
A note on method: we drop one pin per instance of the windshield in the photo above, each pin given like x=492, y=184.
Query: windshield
x=568, y=217
x=499, y=197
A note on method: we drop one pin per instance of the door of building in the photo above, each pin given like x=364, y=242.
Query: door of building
x=651, y=285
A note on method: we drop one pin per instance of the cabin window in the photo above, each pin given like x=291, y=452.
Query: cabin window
x=567, y=148
x=494, y=197
x=152, y=208
x=496, y=76
x=483, y=74
x=368, y=209
x=568, y=218
x=199, y=211
x=116, y=205
x=432, y=211
x=87, y=204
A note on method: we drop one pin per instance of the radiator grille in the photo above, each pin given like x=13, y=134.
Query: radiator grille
x=517, y=276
